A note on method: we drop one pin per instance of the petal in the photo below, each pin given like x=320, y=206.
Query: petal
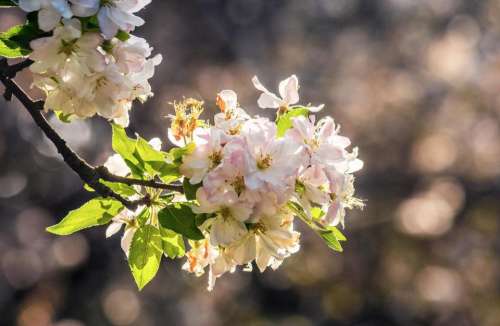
x=316, y=108
x=48, y=19
x=29, y=5
x=289, y=89
x=113, y=228
x=127, y=240
x=62, y=6
x=107, y=26
x=266, y=99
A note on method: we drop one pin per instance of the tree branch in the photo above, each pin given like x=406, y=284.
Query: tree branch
x=85, y=171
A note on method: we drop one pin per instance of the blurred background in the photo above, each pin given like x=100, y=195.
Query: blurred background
x=415, y=84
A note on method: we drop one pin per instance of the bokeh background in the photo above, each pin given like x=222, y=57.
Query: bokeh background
x=415, y=84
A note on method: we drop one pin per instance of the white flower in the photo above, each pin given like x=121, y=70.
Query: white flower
x=127, y=218
x=206, y=156
x=113, y=15
x=289, y=95
x=200, y=256
x=232, y=116
x=49, y=11
x=271, y=240
x=228, y=225
x=274, y=160
x=68, y=51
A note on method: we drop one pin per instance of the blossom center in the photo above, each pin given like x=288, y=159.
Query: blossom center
x=238, y=184
x=215, y=159
x=108, y=3
x=68, y=47
x=264, y=162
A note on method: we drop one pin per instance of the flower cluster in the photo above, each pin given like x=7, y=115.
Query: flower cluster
x=112, y=15
x=249, y=171
x=87, y=70
x=232, y=187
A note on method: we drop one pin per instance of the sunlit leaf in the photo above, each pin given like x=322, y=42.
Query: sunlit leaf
x=181, y=219
x=285, y=121
x=145, y=254
x=98, y=211
x=172, y=243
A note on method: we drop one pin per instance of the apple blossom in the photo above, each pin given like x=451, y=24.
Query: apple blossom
x=50, y=12
x=289, y=95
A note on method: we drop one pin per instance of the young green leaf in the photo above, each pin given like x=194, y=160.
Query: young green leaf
x=181, y=219
x=172, y=243
x=331, y=240
x=190, y=189
x=152, y=159
x=98, y=211
x=285, y=121
x=126, y=147
x=145, y=254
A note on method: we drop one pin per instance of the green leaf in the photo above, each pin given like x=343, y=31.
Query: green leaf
x=98, y=211
x=14, y=42
x=181, y=219
x=169, y=173
x=7, y=3
x=152, y=160
x=64, y=117
x=145, y=255
x=126, y=146
x=120, y=188
x=190, y=189
x=285, y=121
x=339, y=235
x=331, y=240
x=175, y=154
x=172, y=243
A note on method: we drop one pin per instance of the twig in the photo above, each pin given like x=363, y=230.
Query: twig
x=85, y=171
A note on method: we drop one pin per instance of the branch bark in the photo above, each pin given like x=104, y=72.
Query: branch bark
x=87, y=173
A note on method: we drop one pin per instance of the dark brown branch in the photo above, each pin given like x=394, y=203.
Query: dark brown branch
x=86, y=172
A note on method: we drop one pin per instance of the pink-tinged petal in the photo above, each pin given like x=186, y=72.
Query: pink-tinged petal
x=269, y=101
x=289, y=89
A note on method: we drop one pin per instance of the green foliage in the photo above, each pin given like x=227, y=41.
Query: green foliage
x=331, y=239
x=7, y=3
x=330, y=234
x=190, y=189
x=15, y=42
x=180, y=218
x=285, y=121
x=172, y=243
x=142, y=159
x=64, y=117
x=98, y=211
x=145, y=254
